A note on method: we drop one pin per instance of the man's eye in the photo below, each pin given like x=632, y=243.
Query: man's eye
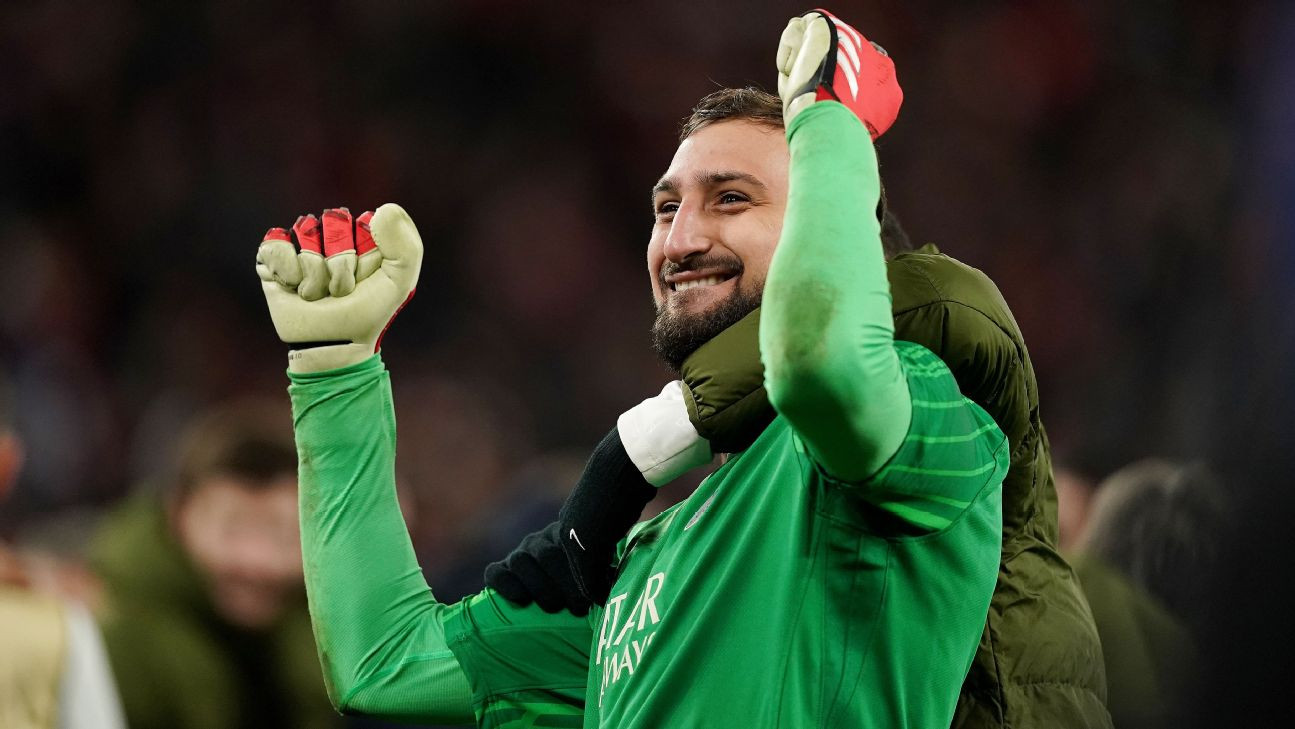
x=667, y=208
x=729, y=198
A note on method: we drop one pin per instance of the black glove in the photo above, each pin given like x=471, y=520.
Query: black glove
x=571, y=563
x=537, y=572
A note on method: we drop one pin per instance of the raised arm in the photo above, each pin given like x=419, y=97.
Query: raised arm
x=826, y=334
x=379, y=630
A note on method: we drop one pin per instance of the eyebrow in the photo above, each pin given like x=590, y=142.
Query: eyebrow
x=708, y=179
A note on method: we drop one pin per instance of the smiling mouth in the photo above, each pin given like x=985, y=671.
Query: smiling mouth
x=713, y=280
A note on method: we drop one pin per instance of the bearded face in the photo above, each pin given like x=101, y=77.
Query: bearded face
x=718, y=214
x=691, y=317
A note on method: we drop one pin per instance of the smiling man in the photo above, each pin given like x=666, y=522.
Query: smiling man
x=1040, y=660
x=835, y=573
x=709, y=264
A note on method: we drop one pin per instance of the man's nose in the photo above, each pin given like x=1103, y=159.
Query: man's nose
x=690, y=233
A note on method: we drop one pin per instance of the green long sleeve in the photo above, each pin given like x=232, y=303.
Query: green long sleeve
x=378, y=628
x=826, y=333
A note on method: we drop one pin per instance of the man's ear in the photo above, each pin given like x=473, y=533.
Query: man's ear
x=11, y=457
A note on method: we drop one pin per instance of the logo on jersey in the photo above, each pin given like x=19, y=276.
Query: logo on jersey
x=701, y=510
x=626, y=635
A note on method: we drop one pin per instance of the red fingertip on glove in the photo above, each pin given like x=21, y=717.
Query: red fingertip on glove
x=338, y=237
x=363, y=234
x=308, y=234
x=277, y=234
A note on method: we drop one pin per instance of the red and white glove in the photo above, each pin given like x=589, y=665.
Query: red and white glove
x=820, y=57
x=332, y=301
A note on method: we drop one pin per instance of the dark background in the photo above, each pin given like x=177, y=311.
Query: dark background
x=1125, y=171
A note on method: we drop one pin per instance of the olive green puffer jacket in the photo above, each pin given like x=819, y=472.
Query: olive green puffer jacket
x=1039, y=665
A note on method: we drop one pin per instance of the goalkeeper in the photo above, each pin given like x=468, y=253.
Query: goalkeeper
x=1040, y=660
x=836, y=573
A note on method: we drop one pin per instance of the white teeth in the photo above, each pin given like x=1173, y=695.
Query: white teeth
x=708, y=281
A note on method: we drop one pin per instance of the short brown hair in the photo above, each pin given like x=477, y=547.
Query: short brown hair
x=761, y=107
x=748, y=104
x=250, y=441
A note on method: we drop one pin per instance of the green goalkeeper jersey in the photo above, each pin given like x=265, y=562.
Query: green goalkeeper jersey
x=776, y=595
x=773, y=596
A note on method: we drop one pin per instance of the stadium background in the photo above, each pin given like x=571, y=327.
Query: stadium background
x=1125, y=171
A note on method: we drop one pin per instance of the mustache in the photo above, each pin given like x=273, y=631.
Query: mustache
x=701, y=262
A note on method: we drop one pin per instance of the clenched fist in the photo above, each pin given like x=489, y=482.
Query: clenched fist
x=332, y=300
x=822, y=58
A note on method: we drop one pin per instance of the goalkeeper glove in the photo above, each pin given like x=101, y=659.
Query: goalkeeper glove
x=332, y=301
x=820, y=57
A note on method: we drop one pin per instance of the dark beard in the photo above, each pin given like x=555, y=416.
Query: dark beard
x=676, y=336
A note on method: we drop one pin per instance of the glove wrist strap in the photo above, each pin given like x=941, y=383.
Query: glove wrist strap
x=329, y=357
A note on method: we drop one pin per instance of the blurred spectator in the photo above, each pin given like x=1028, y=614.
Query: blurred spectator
x=1146, y=561
x=205, y=613
x=1074, y=502
x=54, y=673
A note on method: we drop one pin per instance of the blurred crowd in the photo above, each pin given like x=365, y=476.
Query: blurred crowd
x=1124, y=171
